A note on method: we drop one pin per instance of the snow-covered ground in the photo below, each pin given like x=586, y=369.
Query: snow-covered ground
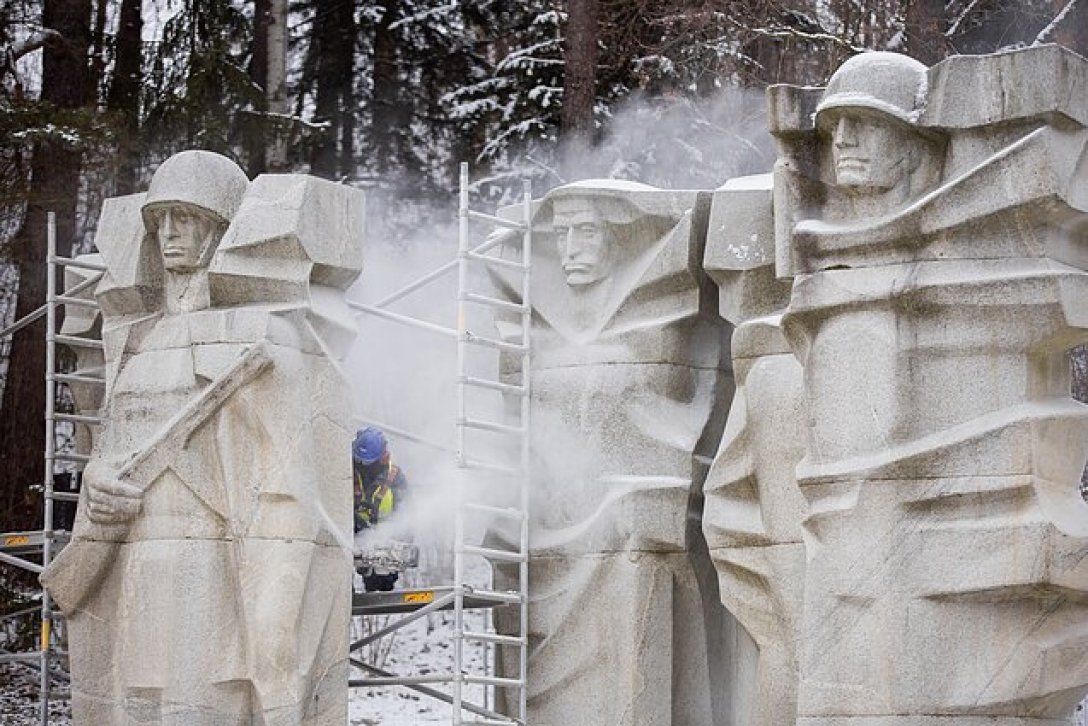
x=421, y=648
x=19, y=698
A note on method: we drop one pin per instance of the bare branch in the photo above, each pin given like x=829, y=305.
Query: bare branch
x=33, y=41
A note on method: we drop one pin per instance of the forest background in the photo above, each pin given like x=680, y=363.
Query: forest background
x=391, y=94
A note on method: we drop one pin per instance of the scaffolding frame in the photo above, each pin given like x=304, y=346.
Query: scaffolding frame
x=462, y=596
x=17, y=547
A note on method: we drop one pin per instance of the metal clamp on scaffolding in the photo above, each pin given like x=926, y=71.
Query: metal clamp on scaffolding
x=461, y=596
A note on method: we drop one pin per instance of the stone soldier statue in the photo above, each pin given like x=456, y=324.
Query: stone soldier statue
x=754, y=508
x=934, y=222
x=208, y=579
x=630, y=379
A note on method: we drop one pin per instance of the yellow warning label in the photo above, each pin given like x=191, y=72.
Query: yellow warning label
x=419, y=598
x=16, y=539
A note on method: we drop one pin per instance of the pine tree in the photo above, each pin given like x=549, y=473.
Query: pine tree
x=56, y=159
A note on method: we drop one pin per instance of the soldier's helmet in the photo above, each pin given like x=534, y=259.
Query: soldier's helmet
x=888, y=83
x=204, y=179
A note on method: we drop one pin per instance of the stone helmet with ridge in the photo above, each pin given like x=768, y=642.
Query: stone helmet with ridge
x=870, y=111
x=891, y=84
x=203, y=179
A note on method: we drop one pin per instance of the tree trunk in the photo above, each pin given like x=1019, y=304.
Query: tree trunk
x=579, y=82
x=386, y=113
x=54, y=186
x=925, y=26
x=347, y=89
x=257, y=138
x=276, y=80
x=98, y=46
x=329, y=38
x=124, y=96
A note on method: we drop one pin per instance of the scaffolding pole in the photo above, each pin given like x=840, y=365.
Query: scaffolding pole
x=462, y=595
x=459, y=526
x=50, y=452
x=16, y=547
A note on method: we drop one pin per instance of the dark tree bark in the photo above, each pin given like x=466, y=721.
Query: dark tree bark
x=323, y=158
x=346, y=49
x=124, y=95
x=334, y=38
x=925, y=26
x=256, y=140
x=54, y=186
x=98, y=46
x=388, y=115
x=579, y=80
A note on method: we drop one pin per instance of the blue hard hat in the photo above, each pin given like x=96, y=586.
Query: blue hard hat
x=369, y=445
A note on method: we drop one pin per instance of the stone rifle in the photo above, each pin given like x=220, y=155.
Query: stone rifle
x=77, y=569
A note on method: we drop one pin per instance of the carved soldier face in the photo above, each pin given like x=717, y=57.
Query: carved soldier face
x=872, y=153
x=184, y=233
x=584, y=241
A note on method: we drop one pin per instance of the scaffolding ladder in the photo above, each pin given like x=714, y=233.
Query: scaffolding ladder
x=17, y=547
x=462, y=595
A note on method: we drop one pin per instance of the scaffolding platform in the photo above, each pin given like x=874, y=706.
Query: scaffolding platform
x=409, y=601
x=22, y=544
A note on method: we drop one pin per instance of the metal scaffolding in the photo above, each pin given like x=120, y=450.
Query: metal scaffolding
x=461, y=595
x=18, y=548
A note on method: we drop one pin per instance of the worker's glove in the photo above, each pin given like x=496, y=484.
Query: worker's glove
x=109, y=500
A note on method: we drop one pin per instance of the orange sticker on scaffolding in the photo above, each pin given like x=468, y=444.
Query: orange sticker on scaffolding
x=16, y=540
x=419, y=598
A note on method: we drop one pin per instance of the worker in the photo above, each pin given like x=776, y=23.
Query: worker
x=379, y=490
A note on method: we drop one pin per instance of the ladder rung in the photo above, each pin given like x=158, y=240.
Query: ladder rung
x=76, y=301
x=494, y=554
x=20, y=562
x=66, y=496
x=494, y=385
x=493, y=595
x=399, y=681
x=488, y=466
x=75, y=458
x=496, y=511
x=76, y=378
x=495, y=303
x=78, y=418
x=78, y=342
x=473, y=423
x=72, y=262
x=491, y=343
x=490, y=722
x=497, y=221
x=494, y=681
x=497, y=261
x=495, y=638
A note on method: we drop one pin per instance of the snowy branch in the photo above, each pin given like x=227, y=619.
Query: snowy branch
x=33, y=41
x=802, y=35
x=1045, y=32
x=962, y=16
x=432, y=12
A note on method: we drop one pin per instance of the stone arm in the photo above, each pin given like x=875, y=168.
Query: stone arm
x=114, y=497
x=165, y=447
